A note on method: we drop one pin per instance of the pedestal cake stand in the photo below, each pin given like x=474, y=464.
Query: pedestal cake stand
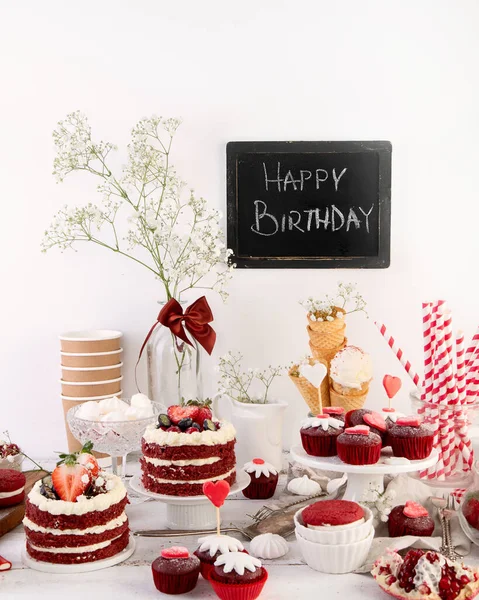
x=362, y=477
x=189, y=512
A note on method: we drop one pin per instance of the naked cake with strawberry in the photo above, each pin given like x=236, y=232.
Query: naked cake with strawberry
x=187, y=448
x=77, y=514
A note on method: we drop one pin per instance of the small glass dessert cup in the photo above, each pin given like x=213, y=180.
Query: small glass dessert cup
x=116, y=438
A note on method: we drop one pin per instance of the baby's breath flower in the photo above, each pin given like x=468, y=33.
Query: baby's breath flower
x=331, y=307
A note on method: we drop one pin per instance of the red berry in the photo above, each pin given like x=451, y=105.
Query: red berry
x=177, y=413
x=471, y=511
x=174, y=428
x=465, y=579
x=191, y=430
x=391, y=579
x=71, y=481
x=90, y=462
x=203, y=413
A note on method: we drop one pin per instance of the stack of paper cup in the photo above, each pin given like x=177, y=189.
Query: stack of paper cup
x=91, y=370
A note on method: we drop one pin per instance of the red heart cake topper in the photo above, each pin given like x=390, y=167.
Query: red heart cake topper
x=414, y=510
x=216, y=491
x=258, y=461
x=392, y=385
x=374, y=419
x=357, y=430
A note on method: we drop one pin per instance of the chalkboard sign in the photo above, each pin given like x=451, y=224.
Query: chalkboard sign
x=309, y=204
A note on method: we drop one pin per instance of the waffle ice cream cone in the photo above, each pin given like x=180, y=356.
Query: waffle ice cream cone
x=308, y=391
x=347, y=401
x=325, y=355
x=326, y=334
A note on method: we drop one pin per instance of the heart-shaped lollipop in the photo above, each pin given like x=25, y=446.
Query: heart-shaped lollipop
x=392, y=385
x=216, y=491
x=314, y=373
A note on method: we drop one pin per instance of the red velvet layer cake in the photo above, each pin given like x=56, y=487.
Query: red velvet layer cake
x=90, y=528
x=178, y=463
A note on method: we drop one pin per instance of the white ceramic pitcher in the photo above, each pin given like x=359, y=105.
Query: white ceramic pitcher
x=259, y=428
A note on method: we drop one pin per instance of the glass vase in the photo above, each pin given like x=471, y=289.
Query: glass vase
x=174, y=367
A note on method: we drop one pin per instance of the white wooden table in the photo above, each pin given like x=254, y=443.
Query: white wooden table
x=289, y=577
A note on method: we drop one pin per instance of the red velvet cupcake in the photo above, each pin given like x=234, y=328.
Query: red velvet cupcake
x=238, y=576
x=212, y=547
x=409, y=439
x=337, y=412
x=363, y=416
x=264, y=479
x=319, y=434
x=175, y=571
x=359, y=446
x=12, y=487
x=410, y=519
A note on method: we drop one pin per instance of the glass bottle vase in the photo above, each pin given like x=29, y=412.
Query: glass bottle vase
x=174, y=368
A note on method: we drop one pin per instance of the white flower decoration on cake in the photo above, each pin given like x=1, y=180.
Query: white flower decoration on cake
x=392, y=416
x=324, y=423
x=269, y=545
x=238, y=561
x=259, y=467
x=304, y=486
x=221, y=543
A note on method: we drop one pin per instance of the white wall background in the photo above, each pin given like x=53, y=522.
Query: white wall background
x=404, y=71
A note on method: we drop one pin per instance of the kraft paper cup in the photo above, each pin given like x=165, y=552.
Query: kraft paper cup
x=88, y=398
x=333, y=536
x=73, y=444
x=342, y=558
x=77, y=389
x=91, y=359
x=95, y=340
x=91, y=374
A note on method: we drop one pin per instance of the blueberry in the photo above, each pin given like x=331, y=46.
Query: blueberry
x=208, y=424
x=197, y=426
x=185, y=424
x=164, y=420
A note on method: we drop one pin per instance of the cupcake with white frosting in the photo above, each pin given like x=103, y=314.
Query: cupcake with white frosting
x=211, y=547
x=264, y=479
x=238, y=576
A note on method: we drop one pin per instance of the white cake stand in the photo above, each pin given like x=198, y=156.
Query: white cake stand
x=189, y=512
x=362, y=477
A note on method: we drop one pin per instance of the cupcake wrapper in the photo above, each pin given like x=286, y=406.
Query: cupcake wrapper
x=359, y=455
x=399, y=530
x=205, y=569
x=413, y=448
x=238, y=591
x=260, y=491
x=176, y=583
x=319, y=445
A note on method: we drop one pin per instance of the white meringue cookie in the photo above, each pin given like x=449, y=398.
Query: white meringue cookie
x=140, y=401
x=89, y=411
x=304, y=486
x=115, y=415
x=112, y=404
x=269, y=545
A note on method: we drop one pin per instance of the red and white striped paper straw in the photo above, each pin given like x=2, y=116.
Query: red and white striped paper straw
x=399, y=353
x=471, y=351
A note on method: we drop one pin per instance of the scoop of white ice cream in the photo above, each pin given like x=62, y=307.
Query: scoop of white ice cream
x=112, y=404
x=351, y=367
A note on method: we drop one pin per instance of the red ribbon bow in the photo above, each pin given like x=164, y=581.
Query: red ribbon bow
x=195, y=319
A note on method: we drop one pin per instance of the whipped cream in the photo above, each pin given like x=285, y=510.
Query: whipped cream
x=83, y=505
x=221, y=543
x=351, y=367
x=77, y=549
x=193, y=481
x=11, y=494
x=194, y=462
x=225, y=434
x=238, y=561
x=324, y=423
x=338, y=527
x=259, y=469
x=97, y=529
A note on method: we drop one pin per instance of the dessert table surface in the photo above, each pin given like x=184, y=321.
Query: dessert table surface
x=289, y=577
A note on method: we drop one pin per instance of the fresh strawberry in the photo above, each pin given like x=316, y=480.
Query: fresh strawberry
x=175, y=552
x=174, y=429
x=204, y=410
x=470, y=509
x=409, y=421
x=358, y=430
x=177, y=413
x=414, y=510
x=375, y=420
x=90, y=462
x=191, y=430
x=71, y=480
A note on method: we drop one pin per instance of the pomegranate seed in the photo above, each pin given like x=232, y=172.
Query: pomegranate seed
x=391, y=579
x=465, y=579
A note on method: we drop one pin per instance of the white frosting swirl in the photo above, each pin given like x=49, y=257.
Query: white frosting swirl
x=324, y=423
x=269, y=545
x=83, y=505
x=238, y=561
x=304, y=486
x=221, y=543
x=225, y=434
x=351, y=367
x=259, y=469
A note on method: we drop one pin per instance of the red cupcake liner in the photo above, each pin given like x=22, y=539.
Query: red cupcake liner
x=398, y=529
x=359, y=455
x=319, y=445
x=205, y=569
x=238, y=591
x=413, y=448
x=175, y=583
x=260, y=491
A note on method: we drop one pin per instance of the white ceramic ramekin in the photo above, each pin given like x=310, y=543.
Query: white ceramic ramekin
x=335, y=535
x=342, y=558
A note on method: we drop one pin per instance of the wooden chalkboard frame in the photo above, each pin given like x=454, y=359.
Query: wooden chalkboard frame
x=382, y=261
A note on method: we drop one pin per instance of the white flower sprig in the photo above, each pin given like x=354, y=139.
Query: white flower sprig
x=344, y=302
x=380, y=503
x=178, y=240
x=237, y=383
